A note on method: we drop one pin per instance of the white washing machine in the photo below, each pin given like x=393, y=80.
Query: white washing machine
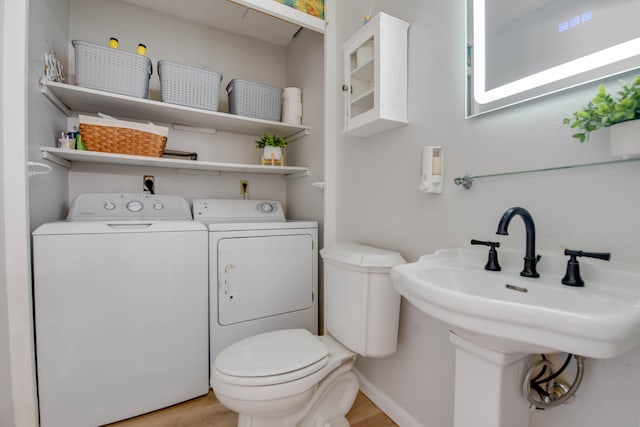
x=263, y=270
x=120, y=294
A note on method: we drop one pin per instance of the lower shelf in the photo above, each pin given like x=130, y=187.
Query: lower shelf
x=66, y=157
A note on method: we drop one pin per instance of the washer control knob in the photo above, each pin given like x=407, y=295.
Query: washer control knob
x=158, y=206
x=134, y=206
x=109, y=206
x=266, y=207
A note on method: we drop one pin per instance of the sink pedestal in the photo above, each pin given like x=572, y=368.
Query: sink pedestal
x=488, y=386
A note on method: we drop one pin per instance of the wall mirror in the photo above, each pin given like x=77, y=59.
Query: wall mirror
x=523, y=49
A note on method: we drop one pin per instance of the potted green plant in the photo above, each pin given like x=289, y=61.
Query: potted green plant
x=617, y=113
x=271, y=146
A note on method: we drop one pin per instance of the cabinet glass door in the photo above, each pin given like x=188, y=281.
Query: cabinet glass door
x=362, y=78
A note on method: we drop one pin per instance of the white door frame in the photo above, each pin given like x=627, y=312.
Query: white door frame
x=330, y=119
x=16, y=278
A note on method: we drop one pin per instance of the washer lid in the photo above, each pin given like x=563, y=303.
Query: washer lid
x=271, y=353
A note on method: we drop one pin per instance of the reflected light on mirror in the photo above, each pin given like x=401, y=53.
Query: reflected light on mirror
x=589, y=62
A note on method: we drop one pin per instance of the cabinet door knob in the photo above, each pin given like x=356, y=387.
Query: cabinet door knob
x=346, y=88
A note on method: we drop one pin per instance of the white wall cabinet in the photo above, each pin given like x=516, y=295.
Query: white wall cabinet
x=375, y=76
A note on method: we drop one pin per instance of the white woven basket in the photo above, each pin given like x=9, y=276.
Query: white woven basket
x=190, y=86
x=257, y=100
x=112, y=70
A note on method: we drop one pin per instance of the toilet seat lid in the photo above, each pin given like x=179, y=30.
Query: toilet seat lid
x=273, y=353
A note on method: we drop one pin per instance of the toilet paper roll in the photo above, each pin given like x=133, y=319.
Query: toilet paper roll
x=291, y=119
x=292, y=113
x=292, y=93
x=292, y=107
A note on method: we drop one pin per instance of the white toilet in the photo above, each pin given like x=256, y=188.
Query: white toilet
x=293, y=378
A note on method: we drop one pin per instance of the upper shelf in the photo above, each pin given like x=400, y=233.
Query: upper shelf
x=285, y=13
x=70, y=97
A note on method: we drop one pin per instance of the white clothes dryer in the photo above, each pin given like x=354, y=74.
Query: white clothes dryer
x=263, y=270
x=120, y=294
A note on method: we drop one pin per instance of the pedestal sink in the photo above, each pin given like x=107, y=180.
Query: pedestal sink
x=498, y=318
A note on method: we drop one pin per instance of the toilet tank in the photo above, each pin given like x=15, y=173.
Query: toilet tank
x=362, y=309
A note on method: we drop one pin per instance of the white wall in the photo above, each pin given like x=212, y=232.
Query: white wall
x=378, y=203
x=178, y=40
x=48, y=23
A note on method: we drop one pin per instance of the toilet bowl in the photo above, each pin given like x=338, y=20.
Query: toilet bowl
x=293, y=378
x=285, y=398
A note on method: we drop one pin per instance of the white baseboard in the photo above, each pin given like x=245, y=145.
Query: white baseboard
x=388, y=406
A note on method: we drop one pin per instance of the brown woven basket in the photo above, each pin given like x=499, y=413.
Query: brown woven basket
x=109, y=139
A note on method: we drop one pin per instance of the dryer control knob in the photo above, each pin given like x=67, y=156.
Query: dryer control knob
x=109, y=206
x=158, y=206
x=266, y=207
x=134, y=206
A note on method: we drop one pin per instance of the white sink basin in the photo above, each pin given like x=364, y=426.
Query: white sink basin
x=512, y=314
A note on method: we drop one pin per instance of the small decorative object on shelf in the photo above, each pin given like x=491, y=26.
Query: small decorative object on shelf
x=271, y=146
x=52, y=66
x=312, y=7
x=619, y=114
x=367, y=9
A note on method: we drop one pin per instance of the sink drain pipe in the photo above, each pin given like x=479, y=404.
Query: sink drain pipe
x=545, y=393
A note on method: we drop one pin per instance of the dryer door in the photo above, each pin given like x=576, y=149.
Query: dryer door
x=264, y=276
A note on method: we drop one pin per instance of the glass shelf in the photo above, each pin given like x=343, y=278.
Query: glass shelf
x=364, y=72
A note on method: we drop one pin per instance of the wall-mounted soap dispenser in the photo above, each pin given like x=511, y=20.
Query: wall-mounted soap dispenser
x=432, y=169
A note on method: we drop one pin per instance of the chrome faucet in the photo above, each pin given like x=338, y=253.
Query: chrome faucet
x=530, y=257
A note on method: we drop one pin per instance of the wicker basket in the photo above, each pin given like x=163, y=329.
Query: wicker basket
x=112, y=70
x=184, y=85
x=255, y=100
x=121, y=137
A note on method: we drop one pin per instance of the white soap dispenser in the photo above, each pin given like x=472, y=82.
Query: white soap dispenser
x=432, y=169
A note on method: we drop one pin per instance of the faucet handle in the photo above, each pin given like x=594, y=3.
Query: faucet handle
x=490, y=244
x=599, y=255
x=492, y=261
x=572, y=276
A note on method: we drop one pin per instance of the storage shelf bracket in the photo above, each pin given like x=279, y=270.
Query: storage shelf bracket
x=298, y=135
x=297, y=175
x=195, y=129
x=55, y=159
x=197, y=172
x=54, y=99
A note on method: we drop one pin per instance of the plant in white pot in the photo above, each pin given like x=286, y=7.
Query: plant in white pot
x=271, y=146
x=618, y=113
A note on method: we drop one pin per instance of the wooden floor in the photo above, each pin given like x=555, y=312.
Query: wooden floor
x=206, y=411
